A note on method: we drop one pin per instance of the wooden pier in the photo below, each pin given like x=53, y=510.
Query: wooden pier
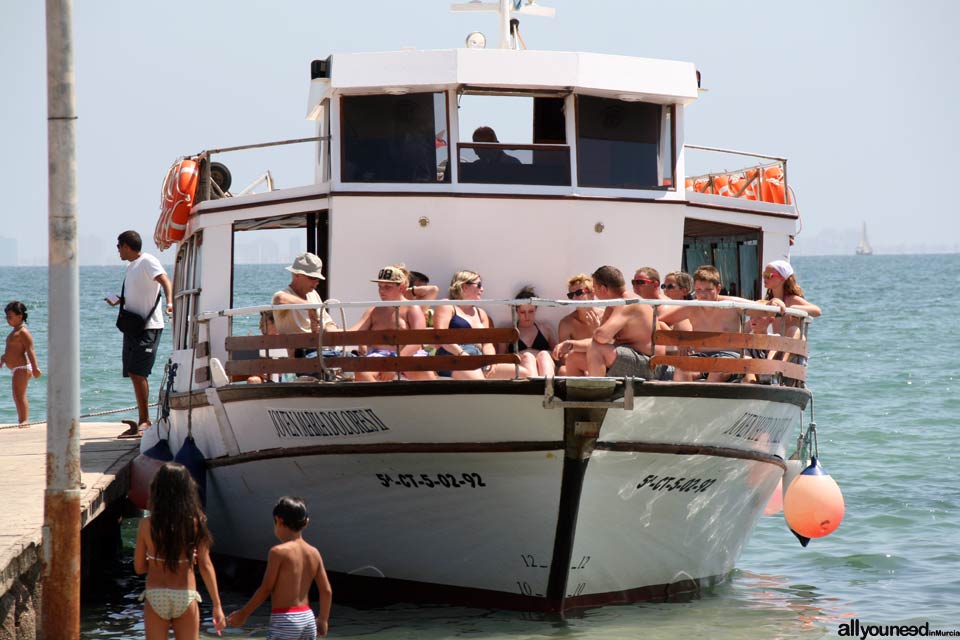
x=104, y=462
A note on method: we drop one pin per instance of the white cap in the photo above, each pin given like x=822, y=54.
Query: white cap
x=783, y=268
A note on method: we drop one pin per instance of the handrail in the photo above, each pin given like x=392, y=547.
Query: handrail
x=537, y=302
x=208, y=152
x=739, y=153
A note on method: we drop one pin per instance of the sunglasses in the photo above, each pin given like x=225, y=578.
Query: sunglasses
x=639, y=282
x=478, y=284
x=669, y=287
x=770, y=275
x=578, y=293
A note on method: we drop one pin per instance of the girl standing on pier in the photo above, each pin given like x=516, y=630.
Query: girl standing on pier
x=170, y=542
x=20, y=357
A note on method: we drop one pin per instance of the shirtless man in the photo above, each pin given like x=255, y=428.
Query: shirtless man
x=621, y=345
x=578, y=326
x=646, y=284
x=392, y=286
x=706, y=287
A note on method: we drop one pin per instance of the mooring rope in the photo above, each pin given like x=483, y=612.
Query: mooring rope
x=86, y=415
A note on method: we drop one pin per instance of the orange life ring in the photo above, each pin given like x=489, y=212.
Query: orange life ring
x=772, y=191
x=176, y=200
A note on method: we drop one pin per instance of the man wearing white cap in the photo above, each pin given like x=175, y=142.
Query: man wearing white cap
x=306, y=270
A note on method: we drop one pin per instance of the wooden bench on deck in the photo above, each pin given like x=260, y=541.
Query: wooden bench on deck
x=717, y=341
x=341, y=339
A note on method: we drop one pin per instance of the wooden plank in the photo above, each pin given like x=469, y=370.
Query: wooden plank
x=201, y=374
x=203, y=349
x=730, y=341
x=255, y=343
x=103, y=464
x=423, y=363
x=732, y=365
x=388, y=336
x=403, y=363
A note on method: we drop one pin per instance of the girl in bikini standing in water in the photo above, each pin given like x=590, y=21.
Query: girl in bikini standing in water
x=170, y=542
x=20, y=357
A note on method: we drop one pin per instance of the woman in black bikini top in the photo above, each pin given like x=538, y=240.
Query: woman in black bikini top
x=534, y=338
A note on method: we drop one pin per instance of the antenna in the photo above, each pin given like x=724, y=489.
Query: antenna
x=505, y=8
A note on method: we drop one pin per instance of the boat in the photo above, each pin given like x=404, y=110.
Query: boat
x=863, y=247
x=532, y=493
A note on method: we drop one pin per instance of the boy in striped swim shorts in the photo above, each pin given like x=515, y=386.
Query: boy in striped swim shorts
x=291, y=566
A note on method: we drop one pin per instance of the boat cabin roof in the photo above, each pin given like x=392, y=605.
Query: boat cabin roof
x=628, y=78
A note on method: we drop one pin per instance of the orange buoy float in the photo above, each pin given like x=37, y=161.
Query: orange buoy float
x=176, y=199
x=813, y=504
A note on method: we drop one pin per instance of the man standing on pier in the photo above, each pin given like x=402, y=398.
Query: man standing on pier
x=144, y=279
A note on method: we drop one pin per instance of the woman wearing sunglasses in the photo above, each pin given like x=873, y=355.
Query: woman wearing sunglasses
x=536, y=339
x=581, y=323
x=784, y=292
x=465, y=287
x=678, y=285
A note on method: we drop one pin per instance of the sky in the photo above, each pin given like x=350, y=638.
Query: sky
x=859, y=95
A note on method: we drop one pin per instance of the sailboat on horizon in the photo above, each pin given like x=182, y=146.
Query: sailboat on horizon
x=863, y=247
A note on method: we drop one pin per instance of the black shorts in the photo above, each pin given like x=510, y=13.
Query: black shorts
x=139, y=352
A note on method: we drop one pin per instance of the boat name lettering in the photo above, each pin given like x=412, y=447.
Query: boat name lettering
x=751, y=426
x=292, y=423
x=432, y=480
x=674, y=483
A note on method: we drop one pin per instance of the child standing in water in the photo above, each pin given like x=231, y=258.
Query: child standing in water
x=20, y=357
x=170, y=542
x=291, y=567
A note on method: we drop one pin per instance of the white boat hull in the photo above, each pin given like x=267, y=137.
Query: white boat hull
x=492, y=499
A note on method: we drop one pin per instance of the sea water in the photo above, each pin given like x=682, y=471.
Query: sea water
x=885, y=374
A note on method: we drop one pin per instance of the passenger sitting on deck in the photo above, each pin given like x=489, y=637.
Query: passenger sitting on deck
x=419, y=288
x=536, y=338
x=487, y=156
x=646, y=284
x=303, y=290
x=391, y=285
x=678, y=285
x=621, y=345
x=579, y=325
x=706, y=286
x=468, y=286
x=784, y=292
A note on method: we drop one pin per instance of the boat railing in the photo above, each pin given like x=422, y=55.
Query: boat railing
x=762, y=178
x=329, y=351
x=216, y=180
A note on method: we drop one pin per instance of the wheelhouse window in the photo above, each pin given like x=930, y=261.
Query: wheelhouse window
x=512, y=139
x=394, y=138
x=624, y=145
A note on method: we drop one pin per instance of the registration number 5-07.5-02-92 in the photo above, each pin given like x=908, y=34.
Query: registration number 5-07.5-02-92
x=432, y=480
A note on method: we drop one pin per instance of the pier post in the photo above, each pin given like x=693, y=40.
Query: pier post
x=61, y=514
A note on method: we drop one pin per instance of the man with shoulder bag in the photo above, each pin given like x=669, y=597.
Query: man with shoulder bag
x=140, y=320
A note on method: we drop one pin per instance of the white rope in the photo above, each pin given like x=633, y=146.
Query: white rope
x=86, y=415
